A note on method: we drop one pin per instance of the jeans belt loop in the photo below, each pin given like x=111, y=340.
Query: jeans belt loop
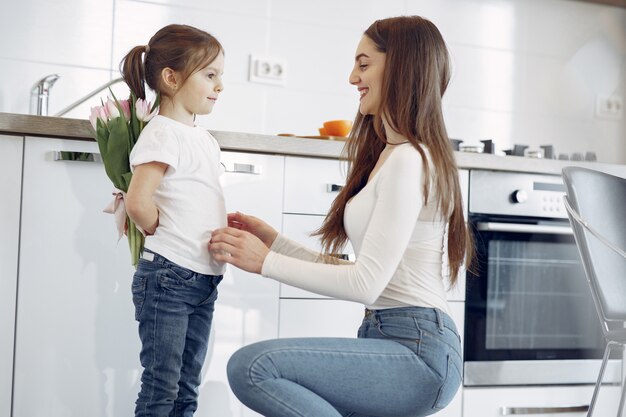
x=439, y=319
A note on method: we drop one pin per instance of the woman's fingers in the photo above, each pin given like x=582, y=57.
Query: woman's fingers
x=238, y=248
x=229, y=241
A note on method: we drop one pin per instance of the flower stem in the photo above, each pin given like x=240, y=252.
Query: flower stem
x=135, y=242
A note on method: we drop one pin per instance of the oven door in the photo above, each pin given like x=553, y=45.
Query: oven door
x=529, y=315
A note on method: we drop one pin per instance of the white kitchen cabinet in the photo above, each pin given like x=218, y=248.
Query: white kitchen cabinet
x=11, y=190
x=77, y=348
x=311, y=184
x=299, y=227
x=247, y=307
x=538, y=401
x=319, y=318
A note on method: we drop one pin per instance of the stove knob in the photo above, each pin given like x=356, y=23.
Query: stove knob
x=519, y=196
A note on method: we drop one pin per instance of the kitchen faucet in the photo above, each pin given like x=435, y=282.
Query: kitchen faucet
x=39, y=94
x=88, y=96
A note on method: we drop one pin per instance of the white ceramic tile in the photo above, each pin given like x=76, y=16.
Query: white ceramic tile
x=485, y=78
x=240, y=108
x=303, y=112
x=74, y=83
x=563, y=27
x=599, y=66
x=484, y=23
x=70, y=32
x=473, y=125
x=567, y=133
x=553, y=87
x=240, y=35
x=356, y=14
x=315, y=63
x=258, y=8
x=608, y=142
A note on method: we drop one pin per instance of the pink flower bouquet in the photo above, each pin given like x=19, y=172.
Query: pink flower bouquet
x=116, y=125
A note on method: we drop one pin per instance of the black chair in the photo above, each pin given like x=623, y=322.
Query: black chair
x=596, y=205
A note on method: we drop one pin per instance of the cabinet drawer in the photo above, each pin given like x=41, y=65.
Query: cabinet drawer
x=538, y=401
x=312, y=184
x=319, y=318
x=299, y=227
x=11, y=186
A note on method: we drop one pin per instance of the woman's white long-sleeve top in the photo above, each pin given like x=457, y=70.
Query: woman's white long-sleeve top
x=398, y=242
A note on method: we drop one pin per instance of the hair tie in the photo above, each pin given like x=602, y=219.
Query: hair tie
x=147, y=47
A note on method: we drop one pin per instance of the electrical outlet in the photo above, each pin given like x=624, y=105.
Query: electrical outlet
x=610, y=107
x=267, y=70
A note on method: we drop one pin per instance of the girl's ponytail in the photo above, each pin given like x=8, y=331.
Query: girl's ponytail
x=133, y=70
x=182, y=48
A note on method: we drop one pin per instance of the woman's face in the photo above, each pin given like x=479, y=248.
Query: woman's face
x=367, y=75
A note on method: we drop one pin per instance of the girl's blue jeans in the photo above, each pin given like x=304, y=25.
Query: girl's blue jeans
x=405, y=362
x=174, y=308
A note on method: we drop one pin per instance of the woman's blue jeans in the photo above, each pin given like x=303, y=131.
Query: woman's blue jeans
x=406, y=362
x=174, y=307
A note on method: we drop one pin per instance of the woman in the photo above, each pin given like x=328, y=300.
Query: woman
x=401, y=199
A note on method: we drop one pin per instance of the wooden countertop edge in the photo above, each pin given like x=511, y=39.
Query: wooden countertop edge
x=78, y=129
x=57, y=127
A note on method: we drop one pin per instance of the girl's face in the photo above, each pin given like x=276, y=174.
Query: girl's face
x=367, y=75
x=200, y=91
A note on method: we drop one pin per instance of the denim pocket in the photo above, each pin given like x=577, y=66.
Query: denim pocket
x=138, y=289
x=450, y=385
x=182, y=273
x=401, y=329
x=212, y=290
x=174, y=277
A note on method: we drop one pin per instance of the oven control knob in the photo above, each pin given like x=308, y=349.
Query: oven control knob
x=519, y=196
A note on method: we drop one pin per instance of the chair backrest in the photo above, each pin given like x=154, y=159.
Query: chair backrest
x=600, y=199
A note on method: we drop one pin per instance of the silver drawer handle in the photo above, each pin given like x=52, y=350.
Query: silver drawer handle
x=76, y=156
x=524, y=228
x=333, y=188
x=242, y=168
x=509, y=411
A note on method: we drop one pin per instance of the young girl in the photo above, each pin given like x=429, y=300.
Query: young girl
x=176, y=198
x=401, y=209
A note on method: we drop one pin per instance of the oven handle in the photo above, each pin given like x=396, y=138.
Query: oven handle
x=524, y=228
x=509, y=411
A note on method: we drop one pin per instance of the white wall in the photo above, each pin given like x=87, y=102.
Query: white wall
x=525, y=71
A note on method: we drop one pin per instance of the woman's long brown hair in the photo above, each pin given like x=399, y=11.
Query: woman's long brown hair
x=183, y=48
x=415, y=78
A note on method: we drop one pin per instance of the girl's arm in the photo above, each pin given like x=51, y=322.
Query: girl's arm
x=139, y=203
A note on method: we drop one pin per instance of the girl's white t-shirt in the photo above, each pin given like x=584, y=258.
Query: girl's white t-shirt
x=398, y=242
x=190, y=198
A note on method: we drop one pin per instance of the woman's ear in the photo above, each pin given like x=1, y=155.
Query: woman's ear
x=170, y=79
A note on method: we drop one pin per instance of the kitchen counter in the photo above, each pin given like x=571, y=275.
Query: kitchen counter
x=77, y=129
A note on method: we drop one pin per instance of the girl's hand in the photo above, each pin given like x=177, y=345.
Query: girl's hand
x=239, y=248
x=254, y=225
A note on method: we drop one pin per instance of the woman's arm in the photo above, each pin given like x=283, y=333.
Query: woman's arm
x=139, y=203
x=399, y=199
x=293, y=249
x=276, y=242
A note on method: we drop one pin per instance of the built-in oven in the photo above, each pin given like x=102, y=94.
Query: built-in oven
x=529, y=314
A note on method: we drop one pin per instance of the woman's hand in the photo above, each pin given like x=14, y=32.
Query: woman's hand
x=239, y=248
x=254, y=225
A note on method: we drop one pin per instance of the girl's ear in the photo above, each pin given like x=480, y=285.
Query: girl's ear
x=170, y=79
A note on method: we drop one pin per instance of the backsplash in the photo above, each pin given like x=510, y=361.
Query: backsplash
x=524, y=71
